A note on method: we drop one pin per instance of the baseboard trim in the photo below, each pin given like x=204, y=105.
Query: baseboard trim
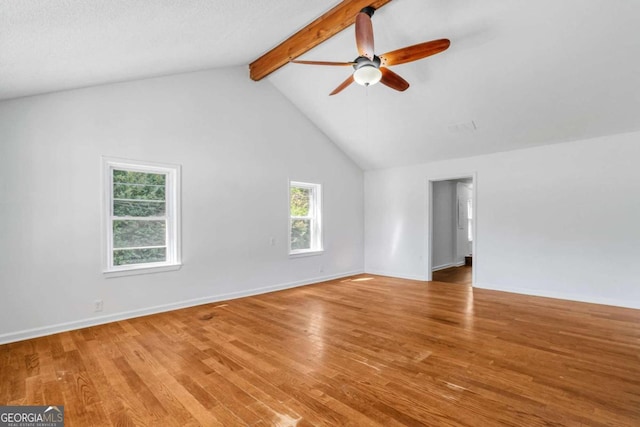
x=398, y=275
x=561, y=295
x=449, y=265
x=101, y=320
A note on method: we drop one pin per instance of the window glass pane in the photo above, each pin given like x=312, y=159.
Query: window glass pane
x=299, y=203
x=300, y=234
x=139, y=256
x=133, y=233
x=138, y=208
x=304, y=211
x=138, y=185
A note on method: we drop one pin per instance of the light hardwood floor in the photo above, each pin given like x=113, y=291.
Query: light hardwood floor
x=368, y=350
x=460, y=275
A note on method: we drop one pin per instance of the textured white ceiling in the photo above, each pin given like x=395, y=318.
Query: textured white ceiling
x=51, y=45
x=525, y=72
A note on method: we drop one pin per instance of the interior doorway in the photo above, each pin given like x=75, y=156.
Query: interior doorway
x=451, y=239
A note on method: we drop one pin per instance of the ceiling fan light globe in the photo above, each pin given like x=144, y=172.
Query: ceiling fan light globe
x=367, y=75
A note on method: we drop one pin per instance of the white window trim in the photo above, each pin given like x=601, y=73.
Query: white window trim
x=317, y=247
x=172, y=192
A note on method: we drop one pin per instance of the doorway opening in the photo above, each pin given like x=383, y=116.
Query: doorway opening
x=451, y=239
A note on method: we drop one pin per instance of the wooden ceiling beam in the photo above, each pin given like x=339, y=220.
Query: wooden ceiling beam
x=323, y=28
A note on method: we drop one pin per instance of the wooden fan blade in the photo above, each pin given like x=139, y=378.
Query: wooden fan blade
x=364, y=35
x=393, y=80
x=415, y=52
x=343, y=85
x=338, y=64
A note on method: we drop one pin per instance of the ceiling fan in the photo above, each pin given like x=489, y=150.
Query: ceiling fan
x=371, y=68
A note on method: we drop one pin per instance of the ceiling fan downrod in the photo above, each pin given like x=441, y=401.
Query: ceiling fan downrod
x=369, y=10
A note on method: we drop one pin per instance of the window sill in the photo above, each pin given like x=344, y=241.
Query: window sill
x=141, y=270
x=306, y=253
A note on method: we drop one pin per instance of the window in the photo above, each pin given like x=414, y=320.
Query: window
x=305, y=222
x=141, y=211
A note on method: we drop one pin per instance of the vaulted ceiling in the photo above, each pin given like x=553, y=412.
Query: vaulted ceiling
x=518, y=73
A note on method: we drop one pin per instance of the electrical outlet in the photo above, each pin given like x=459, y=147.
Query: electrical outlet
x=321, y=269
x=97, y=305
x=272, y=241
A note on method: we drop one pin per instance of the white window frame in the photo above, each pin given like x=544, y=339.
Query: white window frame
x=172, y=216
x=315, y=216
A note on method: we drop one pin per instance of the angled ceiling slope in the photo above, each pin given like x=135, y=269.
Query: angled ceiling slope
x=518, y=74
x=48, y=46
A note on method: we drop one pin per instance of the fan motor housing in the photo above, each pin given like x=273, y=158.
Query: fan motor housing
x=362, y=61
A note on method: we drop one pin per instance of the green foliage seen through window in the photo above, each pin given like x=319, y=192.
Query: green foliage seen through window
x=139, y=195
x=300, y=228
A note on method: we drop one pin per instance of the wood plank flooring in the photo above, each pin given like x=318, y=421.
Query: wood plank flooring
x=461, y=275
x=363, y=351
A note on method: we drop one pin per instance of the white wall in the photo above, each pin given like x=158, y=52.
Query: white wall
x=444, y=224
x=558, y=220
x=238, y=142
x=463, y=246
